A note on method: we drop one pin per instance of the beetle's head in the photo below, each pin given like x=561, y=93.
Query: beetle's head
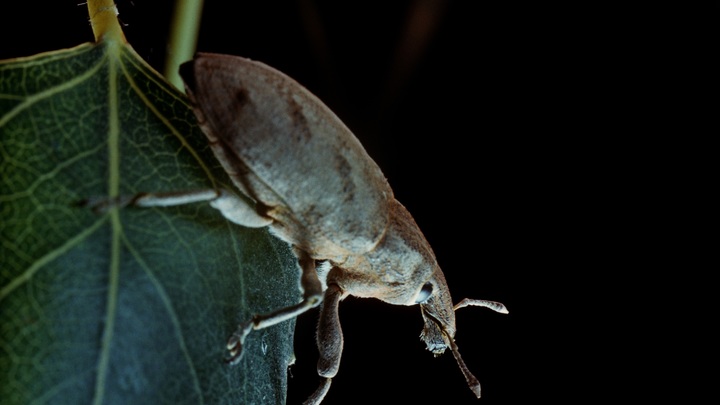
x=439, y=315
x=437, y=310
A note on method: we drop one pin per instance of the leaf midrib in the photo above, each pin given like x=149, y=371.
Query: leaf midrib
x=113, y=52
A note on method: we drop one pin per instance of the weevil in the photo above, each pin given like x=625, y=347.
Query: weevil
x=307, y=177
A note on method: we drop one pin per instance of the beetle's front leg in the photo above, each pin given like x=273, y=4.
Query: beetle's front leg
x=329, y=341
x=239, y=210
x=312, y=296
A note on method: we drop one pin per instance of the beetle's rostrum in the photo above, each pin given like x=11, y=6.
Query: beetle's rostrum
x=303, y=174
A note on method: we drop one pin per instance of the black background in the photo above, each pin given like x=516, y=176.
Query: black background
x=491, y=137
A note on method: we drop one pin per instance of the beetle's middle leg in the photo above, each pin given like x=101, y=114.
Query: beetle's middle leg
x=312, y=296
x=244, y=212
x=329, y=342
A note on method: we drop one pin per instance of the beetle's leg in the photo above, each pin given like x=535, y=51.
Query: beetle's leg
x=103, y=204
x=329, y=341
x=237, y=209
x=312, y=296
x=169, y=199
x=233, y=207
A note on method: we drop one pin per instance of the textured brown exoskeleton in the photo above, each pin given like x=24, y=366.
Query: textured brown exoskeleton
x=312, y=183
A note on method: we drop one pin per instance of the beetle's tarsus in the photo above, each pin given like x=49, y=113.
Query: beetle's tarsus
x=235, y=343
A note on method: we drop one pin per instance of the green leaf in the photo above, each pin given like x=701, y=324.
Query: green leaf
x=133, y=305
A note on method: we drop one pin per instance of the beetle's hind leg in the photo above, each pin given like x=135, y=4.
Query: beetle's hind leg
x=312, y=296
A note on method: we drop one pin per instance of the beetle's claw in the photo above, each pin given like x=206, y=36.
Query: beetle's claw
x=235, y=356
x=235, y=343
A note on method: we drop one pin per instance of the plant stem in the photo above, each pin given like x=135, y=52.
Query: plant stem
x=104, y=21
x=183, y=38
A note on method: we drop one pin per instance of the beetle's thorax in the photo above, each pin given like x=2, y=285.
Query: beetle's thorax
x=395, y=270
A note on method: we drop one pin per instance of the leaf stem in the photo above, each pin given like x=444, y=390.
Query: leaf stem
x=104, y=21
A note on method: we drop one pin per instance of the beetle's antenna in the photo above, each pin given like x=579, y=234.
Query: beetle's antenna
x=473, y=382
x=494, y=305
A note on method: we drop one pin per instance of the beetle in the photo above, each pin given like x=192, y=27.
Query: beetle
x=303, y=174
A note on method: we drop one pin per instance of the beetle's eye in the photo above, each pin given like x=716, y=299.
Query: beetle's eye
x=424, y=293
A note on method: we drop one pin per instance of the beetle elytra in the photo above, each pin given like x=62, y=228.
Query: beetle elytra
x=314, y=185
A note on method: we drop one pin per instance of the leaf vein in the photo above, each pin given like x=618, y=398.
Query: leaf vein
x=38, y=264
